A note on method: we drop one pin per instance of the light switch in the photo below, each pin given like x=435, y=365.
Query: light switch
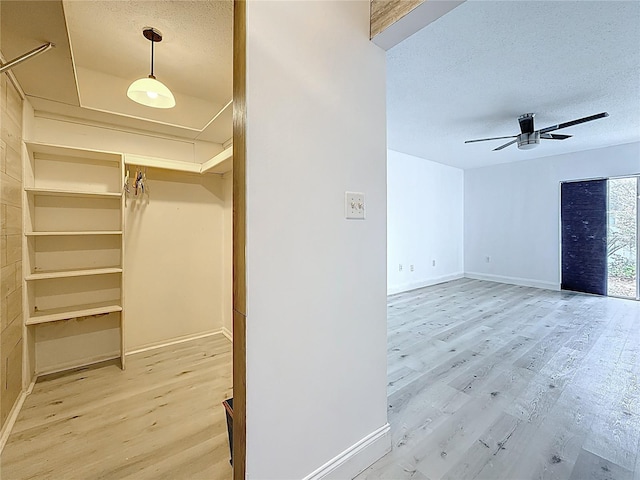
x=354, y=205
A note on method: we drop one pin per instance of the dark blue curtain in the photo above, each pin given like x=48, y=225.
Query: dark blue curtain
x=584, y=236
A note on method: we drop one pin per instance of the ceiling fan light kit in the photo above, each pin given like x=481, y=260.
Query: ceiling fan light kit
x=530, y=138
x=149, y=91
x=527, y=141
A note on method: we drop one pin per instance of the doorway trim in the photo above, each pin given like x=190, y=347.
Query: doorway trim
x=239, y=239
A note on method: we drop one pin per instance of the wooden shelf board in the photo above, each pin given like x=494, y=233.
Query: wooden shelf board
x=49, y=192
x=84, y=232
x=57, y=314
x=72, y=153
x=44, y=275
x=219, y=163
x=163, y=163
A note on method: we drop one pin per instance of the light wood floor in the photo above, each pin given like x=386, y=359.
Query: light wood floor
x=161, y=418
x=493, y=381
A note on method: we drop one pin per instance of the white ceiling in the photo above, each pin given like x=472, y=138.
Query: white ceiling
x=100, y=50
x=472, y=72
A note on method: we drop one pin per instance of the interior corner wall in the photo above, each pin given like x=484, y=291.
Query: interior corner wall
x=316, y=282
x=512, y=212
x=425, y=222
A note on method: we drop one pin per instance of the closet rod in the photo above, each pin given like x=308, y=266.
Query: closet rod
x=18, y=60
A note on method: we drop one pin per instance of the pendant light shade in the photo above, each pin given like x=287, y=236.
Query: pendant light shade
x=152, y=93
x=149, y=91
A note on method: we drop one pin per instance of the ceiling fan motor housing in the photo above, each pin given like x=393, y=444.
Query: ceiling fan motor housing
x=527, y=141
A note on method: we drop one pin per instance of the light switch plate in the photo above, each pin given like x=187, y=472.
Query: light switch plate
x=354, y=205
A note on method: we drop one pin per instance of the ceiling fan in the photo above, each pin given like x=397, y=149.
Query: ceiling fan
x=530, y=138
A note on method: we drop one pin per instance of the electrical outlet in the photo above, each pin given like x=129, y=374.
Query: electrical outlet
x=411, y=267
x=400, y=267
x=433, y=263
x=354, y=205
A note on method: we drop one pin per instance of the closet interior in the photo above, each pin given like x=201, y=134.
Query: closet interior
x=116, y=238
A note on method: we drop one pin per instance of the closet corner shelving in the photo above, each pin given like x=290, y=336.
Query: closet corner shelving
x=74, y=248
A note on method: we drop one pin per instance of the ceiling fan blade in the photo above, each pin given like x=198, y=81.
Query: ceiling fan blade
x=493, y=138
x=505, y=145
x=526, y=122
x=554, y=136
x=574, y=122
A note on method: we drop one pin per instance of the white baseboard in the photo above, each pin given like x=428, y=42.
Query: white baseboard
x=174, y=341
x=227, y=333
x=391, y=290
x=523, y=282
x=72, y=365
x=13, y=414
x=356, y=458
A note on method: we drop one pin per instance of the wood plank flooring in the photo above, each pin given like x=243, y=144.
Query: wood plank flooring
x=495, y=381
x=161, y=418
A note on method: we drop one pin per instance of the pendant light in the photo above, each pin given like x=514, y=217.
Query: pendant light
x=149, y=91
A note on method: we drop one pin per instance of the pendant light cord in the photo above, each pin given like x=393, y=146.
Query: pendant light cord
x=152, y=42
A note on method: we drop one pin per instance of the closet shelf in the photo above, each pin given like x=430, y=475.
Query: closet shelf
x=80, y=155
x=162, y=163
x=50, y=192
x=44, y=275
x=56, y=314
x=73, y=244
x=69, y=233
x=220, y=163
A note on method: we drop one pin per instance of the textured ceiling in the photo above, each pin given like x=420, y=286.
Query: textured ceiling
x=472, y=72
x=100, y=50
x=194, y=57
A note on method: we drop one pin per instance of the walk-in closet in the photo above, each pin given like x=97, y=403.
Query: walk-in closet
x=116, y=293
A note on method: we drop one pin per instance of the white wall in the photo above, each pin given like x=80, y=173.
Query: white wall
x=424, y=222
x=512, y=212
x=316, y=282
x=173, y=260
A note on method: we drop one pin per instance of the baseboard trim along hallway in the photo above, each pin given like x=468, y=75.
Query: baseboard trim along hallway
x=13, y=414
x=357, y=457
x=522, y=282
x=175, y=341
x=406, y=287
x=227, y=333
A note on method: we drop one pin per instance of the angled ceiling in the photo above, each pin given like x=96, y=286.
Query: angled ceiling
x=472, y=72
x=100, y=50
